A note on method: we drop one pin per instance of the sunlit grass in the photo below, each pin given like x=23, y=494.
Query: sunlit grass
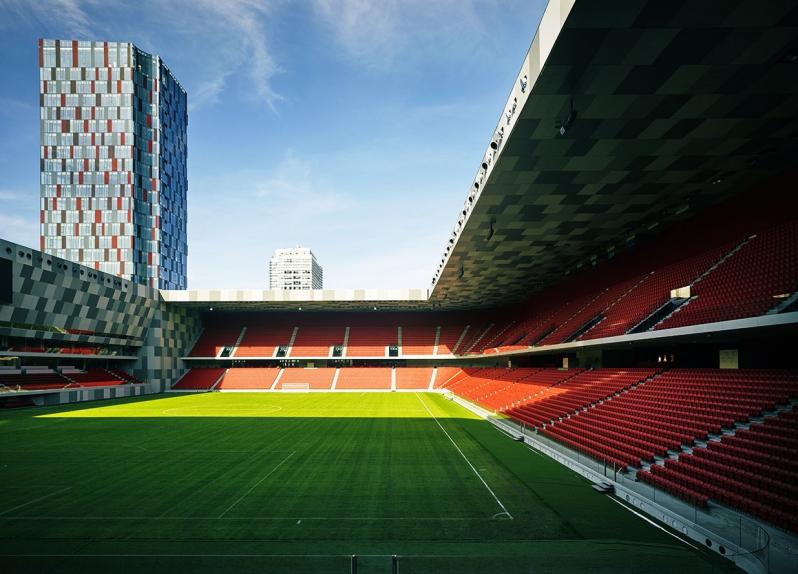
x=263, y=405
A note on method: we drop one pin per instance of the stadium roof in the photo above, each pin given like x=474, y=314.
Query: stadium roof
x=317, y=299
x=666, y=108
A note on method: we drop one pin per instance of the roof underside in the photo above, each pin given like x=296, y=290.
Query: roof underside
x=678, y=105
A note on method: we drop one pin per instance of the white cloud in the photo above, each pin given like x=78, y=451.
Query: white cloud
x=237, y=31
x=218, y=38
x=23, y=230
x=69, y=15
x=373, y=32
x=6, y=195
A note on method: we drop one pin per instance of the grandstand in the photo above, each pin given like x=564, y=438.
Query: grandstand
x=616, y=307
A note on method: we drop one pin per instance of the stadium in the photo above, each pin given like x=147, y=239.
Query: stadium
x=601, y=375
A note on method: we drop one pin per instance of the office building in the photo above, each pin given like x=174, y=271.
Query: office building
x=113, y=161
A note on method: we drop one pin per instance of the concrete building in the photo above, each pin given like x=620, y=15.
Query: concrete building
x=295, y=269
x=113, y=161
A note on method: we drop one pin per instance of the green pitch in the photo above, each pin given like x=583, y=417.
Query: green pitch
x=226, y=482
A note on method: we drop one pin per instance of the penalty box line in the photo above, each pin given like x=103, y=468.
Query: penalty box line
x=265, y=476
x=504, y=511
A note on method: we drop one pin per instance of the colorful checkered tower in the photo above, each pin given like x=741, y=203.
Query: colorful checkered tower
x=113, y=161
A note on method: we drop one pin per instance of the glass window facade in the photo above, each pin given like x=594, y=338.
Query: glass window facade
x=113, y=165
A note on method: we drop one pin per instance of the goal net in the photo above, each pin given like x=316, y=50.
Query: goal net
x=296, y=387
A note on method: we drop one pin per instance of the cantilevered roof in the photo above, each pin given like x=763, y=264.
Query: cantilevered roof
x=316, y=299
x=666, y=108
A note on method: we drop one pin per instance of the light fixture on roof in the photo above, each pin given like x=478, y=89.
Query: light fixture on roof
x=717, y=181
x=523, y=81
x=563, y=125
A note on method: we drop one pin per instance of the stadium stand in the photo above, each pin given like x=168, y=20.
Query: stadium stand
x=750, y=282
x=216, y=336
x=95, y=378
x=445, y=374
x=255, y=378
x=753, y=470
x=576, y=393
x=364, y=378
x=199, y=379
x=409, y=378
x=418, y=336
x=371, y=338
x=316, y=379
x=316, y=339
x=125, y=376
x=262, y=338
x=33, y=381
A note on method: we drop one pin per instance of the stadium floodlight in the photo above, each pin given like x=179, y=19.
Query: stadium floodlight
x=563, y=125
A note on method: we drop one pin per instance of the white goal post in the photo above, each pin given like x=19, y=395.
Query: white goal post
x=295, y=387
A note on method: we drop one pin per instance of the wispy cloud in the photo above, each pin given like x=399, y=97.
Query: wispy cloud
x=292, y=189
x=19, y=229
x=221, y=38
x=375, y=31
x=69, y=15
x=235, y=34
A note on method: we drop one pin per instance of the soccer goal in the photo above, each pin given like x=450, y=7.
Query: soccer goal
x=296, y=387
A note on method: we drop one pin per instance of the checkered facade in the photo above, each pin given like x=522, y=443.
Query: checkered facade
x=113, y=161
x=56, y=300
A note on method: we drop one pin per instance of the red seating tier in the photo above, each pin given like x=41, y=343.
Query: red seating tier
x=364, y=378
x=408, y=378
x=256, y=378
x=199, y=379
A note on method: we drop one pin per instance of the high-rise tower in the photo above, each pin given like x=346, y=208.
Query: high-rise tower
x=295, y=269
x=113, y=160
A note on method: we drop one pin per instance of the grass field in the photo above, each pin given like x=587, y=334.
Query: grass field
x=298, y=482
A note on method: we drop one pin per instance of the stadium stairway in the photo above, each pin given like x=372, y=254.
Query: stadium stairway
x=750, y=468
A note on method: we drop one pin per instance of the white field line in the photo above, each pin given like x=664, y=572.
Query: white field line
x=251, y=518
x=636, y=513
x=59, y=491
x=479, y=476
x=265, y=476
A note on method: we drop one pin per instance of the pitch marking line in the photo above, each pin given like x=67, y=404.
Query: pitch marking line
x=59, y=491
x=267, y=475
x=504, y=511
x=635, y=512
x=253, y=518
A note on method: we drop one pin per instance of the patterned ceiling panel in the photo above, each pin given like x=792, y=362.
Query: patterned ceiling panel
x=674, y=106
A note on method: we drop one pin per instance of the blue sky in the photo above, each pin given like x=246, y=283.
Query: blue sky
x=353, y=127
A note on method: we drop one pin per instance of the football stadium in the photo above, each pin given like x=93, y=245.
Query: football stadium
x=600, y=376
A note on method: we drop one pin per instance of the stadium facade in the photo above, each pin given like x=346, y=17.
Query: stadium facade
x=114, y=180
x=620, y=286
